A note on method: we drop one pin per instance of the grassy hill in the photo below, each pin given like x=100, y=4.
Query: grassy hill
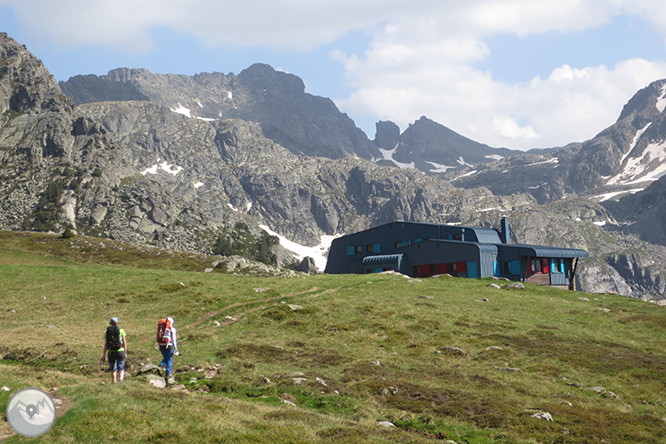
x=322, y=358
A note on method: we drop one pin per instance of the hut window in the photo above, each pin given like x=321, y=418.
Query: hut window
x=557, y=266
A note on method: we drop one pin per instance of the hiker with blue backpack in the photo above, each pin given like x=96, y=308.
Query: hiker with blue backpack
x=115, y=342
x=167, y=341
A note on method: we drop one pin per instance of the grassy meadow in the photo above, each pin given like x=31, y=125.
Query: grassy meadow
x=319, y=358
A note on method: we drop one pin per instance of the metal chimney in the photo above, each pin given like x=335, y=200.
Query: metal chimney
x=505, y=230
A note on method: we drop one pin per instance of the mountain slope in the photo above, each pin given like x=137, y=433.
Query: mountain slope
x=433, y=148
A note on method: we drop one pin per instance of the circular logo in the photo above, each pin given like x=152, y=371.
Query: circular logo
x=31, y=412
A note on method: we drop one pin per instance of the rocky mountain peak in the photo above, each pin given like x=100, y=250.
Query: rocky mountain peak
x=25, y=84
x=433, y=148
x=646, y=103
x=261, y=75
x=387, y=135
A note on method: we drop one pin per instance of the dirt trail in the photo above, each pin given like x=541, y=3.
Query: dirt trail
x=238, y=316
x=241, y=304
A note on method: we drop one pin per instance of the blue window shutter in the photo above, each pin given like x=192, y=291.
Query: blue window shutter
x=417, y=240
x=553, y=268
x=377, y=248
x=496, y=271
x=351, y=250
x=515, y=267
x=561, y=265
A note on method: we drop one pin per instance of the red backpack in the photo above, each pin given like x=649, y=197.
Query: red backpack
x=164, y=332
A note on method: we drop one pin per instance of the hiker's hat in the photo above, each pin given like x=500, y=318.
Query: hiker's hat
x=114, y=320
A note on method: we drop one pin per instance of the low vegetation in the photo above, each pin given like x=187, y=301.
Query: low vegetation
x=347, y=359
x=240, y=241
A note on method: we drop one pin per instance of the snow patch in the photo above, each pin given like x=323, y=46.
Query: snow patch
x=637, y=170
x=164, y=166
x=486, y=210
x=462, y=162
x=607, y=196
x=199, y=103
x=206, y=119
x=182, y=110
x=318, y=252
x=230, y=95
x=661, y=101
x=638, y=135
x=600, y=223
x=554, y=160
x=438, y=168
x=388, y=155
x=198, y=185
x=237, y=210
x=466, y=174
x=494, y=156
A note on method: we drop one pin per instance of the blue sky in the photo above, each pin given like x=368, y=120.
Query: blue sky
x=514, y=73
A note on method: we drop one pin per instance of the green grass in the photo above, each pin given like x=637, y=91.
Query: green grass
x=370, y=348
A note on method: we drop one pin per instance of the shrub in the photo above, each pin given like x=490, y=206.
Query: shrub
x=68, y=233
x=241, y=242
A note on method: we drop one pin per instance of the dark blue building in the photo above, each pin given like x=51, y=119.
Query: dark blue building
x=421, y=250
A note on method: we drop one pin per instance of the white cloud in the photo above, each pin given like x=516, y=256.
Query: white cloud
x=509, y=128
x=433, y=74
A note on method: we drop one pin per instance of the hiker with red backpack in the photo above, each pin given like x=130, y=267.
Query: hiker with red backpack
x=115, y=342
x=168, y=343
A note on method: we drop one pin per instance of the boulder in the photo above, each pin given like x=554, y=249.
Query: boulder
x=307, y=265
x=156, y=381
x=453, y=351
x=158, y=216
x=543, y=415
x=148, y=368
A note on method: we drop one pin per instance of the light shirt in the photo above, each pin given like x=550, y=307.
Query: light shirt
x=174, y=340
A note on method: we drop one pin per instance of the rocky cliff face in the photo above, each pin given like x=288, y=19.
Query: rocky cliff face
x=303, y=123
x=147, y=171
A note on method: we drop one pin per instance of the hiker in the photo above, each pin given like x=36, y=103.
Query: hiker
x=115, y=342
x=168, y=344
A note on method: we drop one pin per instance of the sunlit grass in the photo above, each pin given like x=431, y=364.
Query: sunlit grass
x=440, y=358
